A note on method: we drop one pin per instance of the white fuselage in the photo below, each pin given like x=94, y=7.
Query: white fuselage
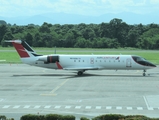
x=81, y=63
x=68, y=62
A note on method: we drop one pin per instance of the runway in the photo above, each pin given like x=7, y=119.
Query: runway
x=27, y=89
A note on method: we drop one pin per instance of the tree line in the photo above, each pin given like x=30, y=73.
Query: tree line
x=114, y=34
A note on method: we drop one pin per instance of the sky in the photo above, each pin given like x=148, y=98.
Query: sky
x=16, y=8
x=10, y=8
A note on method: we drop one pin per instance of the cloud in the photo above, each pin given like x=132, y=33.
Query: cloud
x=154, y=1
x=83, y=7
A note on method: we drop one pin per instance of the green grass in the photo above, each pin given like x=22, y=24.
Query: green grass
x=11, y=56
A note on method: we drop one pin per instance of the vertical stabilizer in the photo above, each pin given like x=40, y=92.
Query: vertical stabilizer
x=23, y=49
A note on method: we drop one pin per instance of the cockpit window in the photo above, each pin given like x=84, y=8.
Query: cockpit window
x=142, y=61
x=138, y=59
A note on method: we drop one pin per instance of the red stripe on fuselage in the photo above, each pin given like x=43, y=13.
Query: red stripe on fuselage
x=58, y=65
x=20, y=49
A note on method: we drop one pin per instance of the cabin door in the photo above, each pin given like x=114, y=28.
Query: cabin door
x=128, y=62
x=92, y=60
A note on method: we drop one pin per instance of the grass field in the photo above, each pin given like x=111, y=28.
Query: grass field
x=11, y=56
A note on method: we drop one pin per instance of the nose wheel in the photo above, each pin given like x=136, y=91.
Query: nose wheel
x=144, y=73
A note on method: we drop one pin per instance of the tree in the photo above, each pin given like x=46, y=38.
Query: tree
x=29, y=39
x=132, y=38
x=44, y=28
x=149, y=39
x=82, y=43
x=70, y=39
x=3, y=30
x=104, y=30
x=48, y=40
x=37, y=41
x=88, y=34
x=2, y=22
x=118, y=30
x=8, y=36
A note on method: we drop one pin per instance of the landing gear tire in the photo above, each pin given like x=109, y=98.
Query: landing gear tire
x=144, y=74
x=79, y=73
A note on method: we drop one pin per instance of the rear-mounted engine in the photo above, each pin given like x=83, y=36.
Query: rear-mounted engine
x=49, y=59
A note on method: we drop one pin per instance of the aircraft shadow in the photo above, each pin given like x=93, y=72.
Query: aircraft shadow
x=66, y=76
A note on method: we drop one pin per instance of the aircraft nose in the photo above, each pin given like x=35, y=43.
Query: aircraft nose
x=155, y=66
x=152, y=65
x=147, y=63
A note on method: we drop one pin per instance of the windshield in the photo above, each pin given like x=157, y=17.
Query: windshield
x=142, y=61
x=138, y=59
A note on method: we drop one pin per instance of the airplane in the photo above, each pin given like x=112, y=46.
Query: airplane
x=80, y=63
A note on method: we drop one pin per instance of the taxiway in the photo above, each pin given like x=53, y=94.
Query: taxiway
x=27, y=89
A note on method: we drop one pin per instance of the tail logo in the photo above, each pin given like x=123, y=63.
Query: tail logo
x=21, y=50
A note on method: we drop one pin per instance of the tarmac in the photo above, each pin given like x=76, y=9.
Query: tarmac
x=27, y=89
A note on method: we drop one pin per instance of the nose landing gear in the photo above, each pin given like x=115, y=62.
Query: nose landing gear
x=144, y=74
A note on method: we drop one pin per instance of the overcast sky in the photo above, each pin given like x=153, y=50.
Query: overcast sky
x=10, y=8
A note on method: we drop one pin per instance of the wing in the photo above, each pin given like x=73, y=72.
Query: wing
x=80, y=68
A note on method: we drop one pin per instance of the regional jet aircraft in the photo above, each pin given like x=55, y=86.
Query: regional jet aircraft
x=81, y=63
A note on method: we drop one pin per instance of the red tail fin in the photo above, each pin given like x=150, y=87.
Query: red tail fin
x=20, y=49
x=23, y=49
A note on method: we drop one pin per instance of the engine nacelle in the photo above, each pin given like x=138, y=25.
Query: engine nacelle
x=49, y=59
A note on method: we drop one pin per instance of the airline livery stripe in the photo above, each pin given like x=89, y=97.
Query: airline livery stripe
x=20, y=49
x=58, y=65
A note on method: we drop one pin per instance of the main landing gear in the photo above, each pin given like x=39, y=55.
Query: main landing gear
x=79, y=73
x=144, y=74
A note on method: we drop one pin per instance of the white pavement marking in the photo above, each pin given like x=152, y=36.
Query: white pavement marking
x=38, y=106
x=129, y=108
x=57, y=107
x=146, y=102
x=17, y=106
x=26, y=106
x=150, y=108
x=77, y=107
x=88, y=107
x=119, y=108
x=98, y=107
x=6, y=106
x=68, y=107
x=47, y=106
x=139, y=108
x=108, y=107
